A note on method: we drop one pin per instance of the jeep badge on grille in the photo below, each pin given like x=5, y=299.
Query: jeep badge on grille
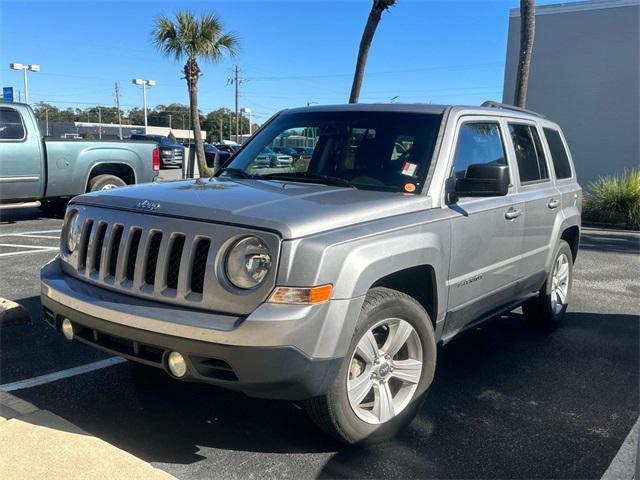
x=148, y=205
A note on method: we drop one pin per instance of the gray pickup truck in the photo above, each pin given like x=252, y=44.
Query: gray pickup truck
x=330, y=282
x=47, y=172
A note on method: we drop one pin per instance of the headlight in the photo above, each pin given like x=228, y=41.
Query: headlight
x=248, y=263
x=73, y=230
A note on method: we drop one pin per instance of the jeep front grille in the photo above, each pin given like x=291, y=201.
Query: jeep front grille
x=136, y=249
x=164, y=259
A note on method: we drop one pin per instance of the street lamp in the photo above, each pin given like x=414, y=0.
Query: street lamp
x=144, y=83
x=25, y=68
x=247, y=110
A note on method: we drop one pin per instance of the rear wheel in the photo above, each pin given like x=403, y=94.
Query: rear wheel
x=547, y=309
x=385, y=375
x=105, y=182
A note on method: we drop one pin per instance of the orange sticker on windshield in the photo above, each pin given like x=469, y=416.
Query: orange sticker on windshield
x=409, y=187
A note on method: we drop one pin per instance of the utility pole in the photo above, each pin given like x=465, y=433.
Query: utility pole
x=118, y=108
x=169, y=121
x=46, y=121
x=221, y=137
x=100, y=123
x=236, y=80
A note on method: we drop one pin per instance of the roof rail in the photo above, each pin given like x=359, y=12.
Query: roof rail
x=492, y=104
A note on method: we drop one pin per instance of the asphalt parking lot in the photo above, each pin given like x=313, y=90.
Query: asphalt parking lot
x=507, y=402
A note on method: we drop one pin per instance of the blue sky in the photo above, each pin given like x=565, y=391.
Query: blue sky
x=292, y=52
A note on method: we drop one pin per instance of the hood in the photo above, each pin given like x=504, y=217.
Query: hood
x=292, y=209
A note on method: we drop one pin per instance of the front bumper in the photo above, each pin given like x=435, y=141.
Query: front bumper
x=280, y=351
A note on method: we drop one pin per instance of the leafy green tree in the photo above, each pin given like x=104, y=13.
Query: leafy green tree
x=375, y=15
x=192, y=39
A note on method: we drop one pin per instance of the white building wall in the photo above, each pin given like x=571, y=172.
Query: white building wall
x=585, y=75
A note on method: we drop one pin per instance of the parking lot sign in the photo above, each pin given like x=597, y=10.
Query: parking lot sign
x=7, y=94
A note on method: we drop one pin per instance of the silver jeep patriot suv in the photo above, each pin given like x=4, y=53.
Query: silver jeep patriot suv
x=332, y=279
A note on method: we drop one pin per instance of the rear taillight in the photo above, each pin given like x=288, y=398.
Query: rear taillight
x=156, y=160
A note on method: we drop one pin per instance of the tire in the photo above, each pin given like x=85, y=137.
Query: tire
x=334, y=413
x=105, y=182
x=547, y=309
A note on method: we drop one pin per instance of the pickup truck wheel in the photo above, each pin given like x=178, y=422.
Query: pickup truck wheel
x=547, y=309
x=386, y=372
x=105, y=182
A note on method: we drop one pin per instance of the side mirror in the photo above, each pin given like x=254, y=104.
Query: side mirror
x=484, y=180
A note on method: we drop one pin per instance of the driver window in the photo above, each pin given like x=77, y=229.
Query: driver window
x=478, y=143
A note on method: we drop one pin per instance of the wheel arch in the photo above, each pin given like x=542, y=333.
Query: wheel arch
x=419, y=282
x=571, y=235
x=121, y=170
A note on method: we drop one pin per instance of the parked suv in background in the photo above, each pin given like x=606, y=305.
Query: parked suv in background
x=334, y=284
x=171, y=153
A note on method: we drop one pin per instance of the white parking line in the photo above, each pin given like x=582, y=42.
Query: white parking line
x=26, y=252
x=58, y=230
x=31, y=235
x=55, y=376
x=31, y=247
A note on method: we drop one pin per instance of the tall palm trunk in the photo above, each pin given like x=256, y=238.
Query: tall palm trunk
x=192, y=73
x=527, y=34
x=365, y=45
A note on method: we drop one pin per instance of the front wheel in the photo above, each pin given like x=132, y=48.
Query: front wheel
x=547, y=309
x=386, y=372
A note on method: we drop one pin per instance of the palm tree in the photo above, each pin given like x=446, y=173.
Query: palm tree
x=527, y=33
x=375, y=15
x=190, y=38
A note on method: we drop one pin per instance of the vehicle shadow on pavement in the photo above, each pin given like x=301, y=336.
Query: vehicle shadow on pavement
x=619, y=242
x=511, y=402
x=506, y=401
x=8, y=217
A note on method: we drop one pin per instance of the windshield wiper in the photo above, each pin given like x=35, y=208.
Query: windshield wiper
x=309, y=177
x=235, y=172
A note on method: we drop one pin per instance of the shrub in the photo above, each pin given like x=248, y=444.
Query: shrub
x=614, y=199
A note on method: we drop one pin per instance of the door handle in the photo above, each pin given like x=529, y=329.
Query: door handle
x=512, y=213
x=553, y=203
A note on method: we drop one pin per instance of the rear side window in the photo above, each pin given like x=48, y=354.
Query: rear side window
x=561, y=164
x=478, y=143
x=11, y=127
x=529, y=154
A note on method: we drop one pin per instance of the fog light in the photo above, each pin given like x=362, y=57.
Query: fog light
x=67, y=329
x=177, y=365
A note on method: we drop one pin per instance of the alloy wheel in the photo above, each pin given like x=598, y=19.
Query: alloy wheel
x=384, y=371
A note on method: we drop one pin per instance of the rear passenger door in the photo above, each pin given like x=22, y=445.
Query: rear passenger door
x=565, y=176
x=542, y=200
x=486, y=232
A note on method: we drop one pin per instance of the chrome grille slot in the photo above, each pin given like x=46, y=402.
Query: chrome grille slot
x=199, y=264
x=116, y=238
x=173, y=271
x=132, y=256
x=84, y=244
x=152, y=257
x=98, y=244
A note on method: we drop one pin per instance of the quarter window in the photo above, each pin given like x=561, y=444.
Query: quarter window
x=561, y=164
x=11, y=127
x=478, y=143
x=532, y=165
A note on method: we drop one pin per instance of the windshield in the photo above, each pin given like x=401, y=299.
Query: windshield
x=387, y=151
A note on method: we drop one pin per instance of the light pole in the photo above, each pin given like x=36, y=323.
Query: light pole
x=24, y=68
x=247, y=110
x=144, y=83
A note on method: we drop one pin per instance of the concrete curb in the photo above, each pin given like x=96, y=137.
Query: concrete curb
x=38, y=445
x=12, y=313
x=624, y=466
